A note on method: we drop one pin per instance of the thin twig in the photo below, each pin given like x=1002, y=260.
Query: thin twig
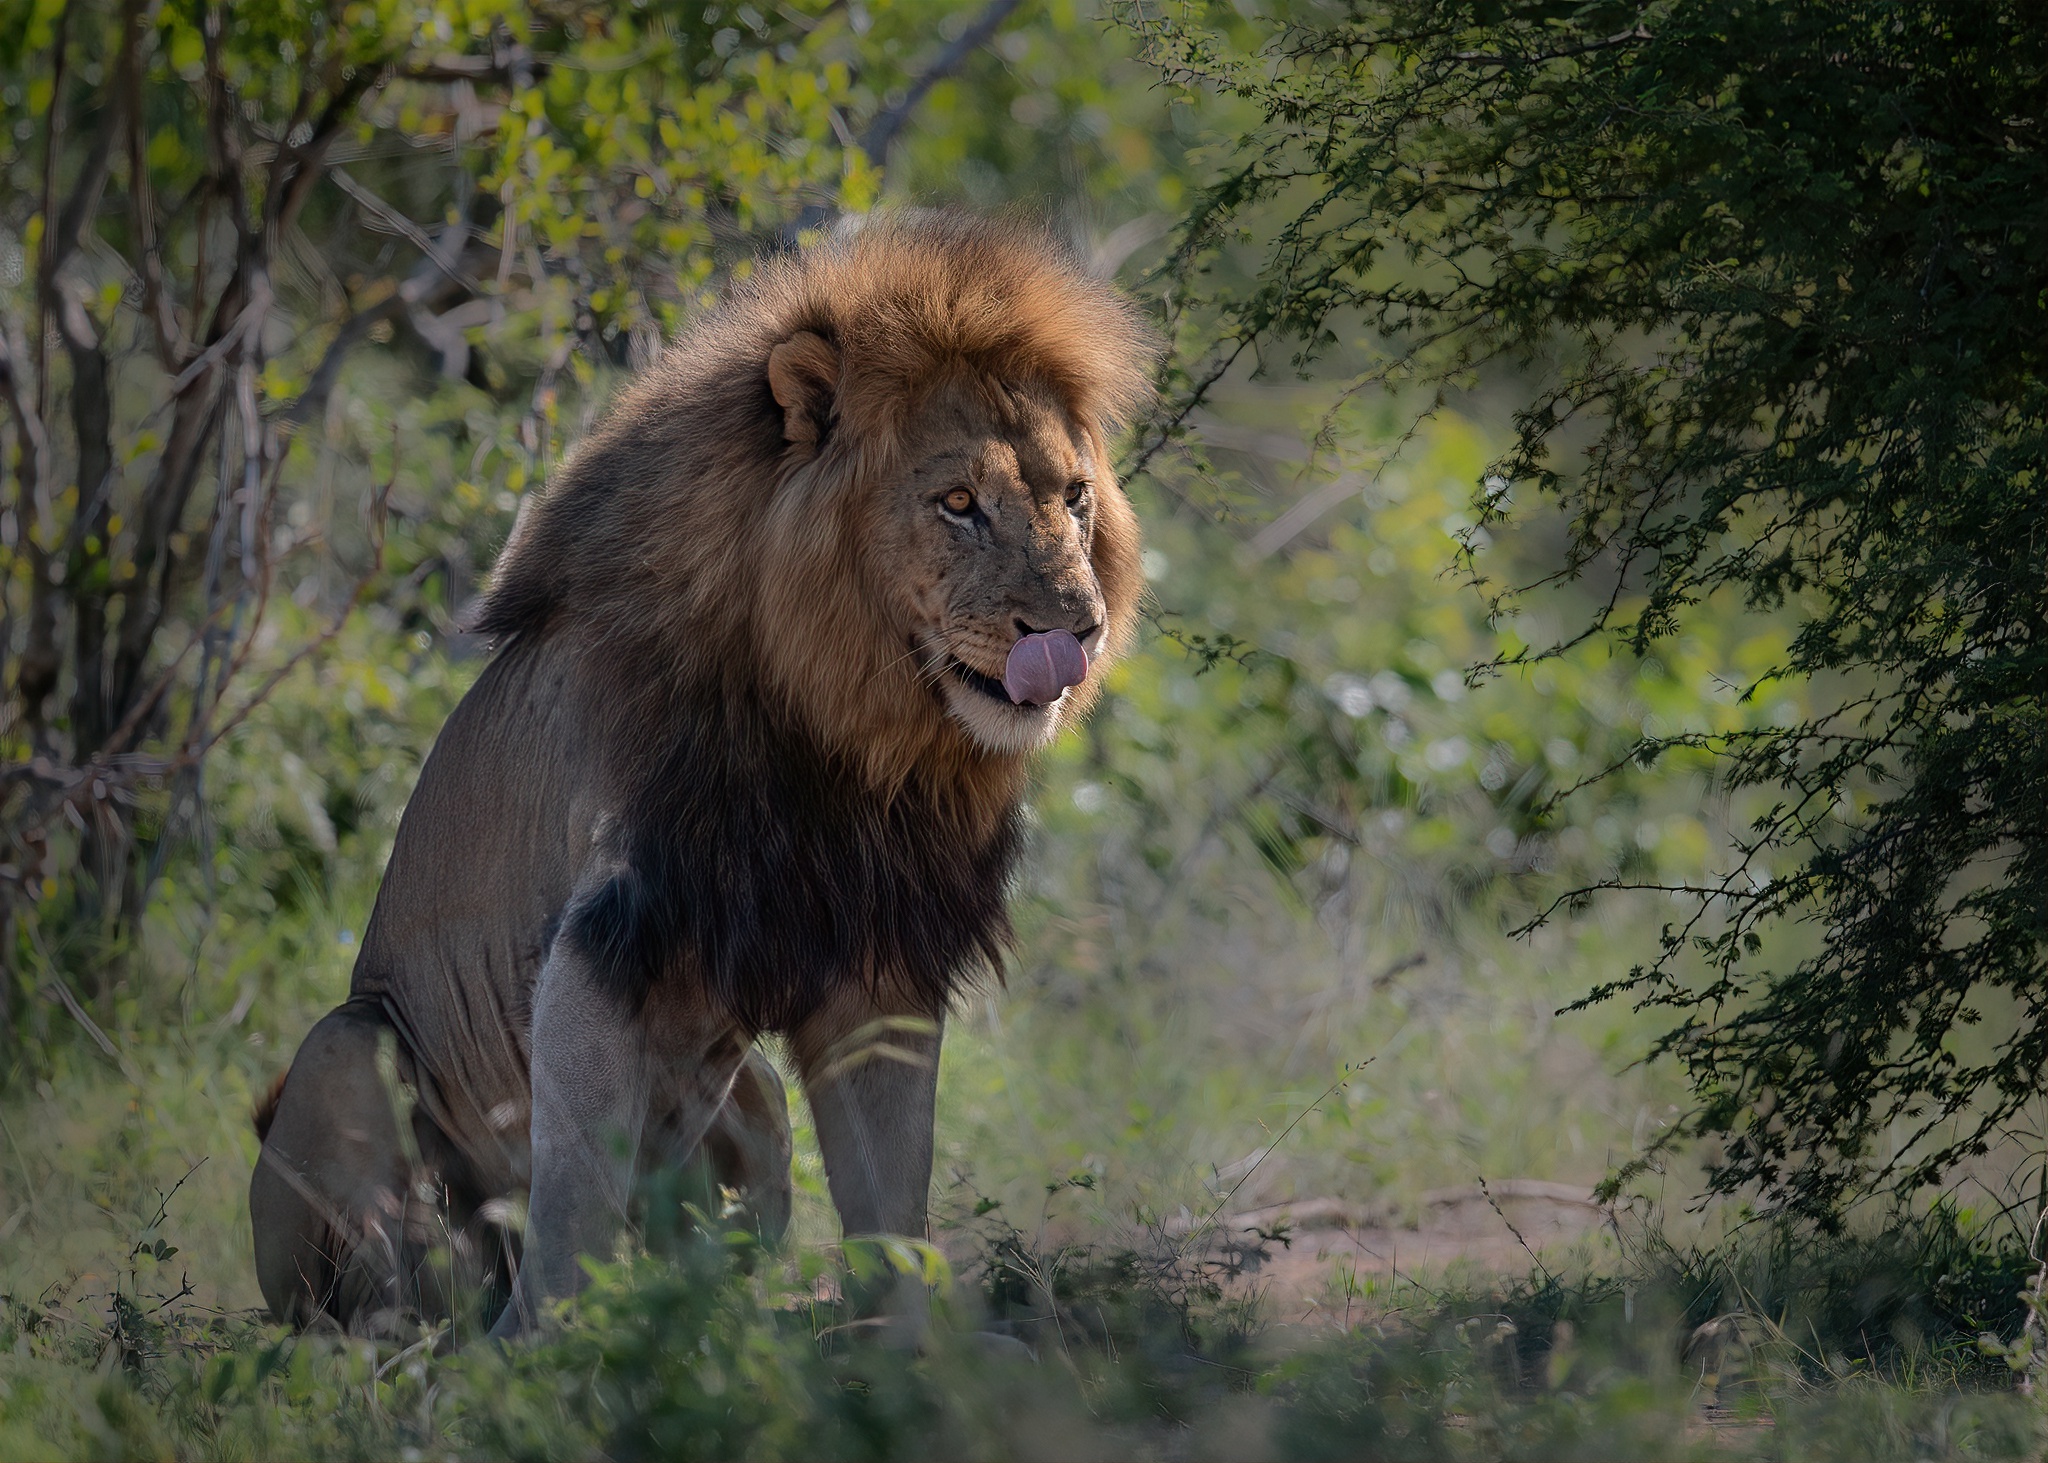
x=1327, y=1093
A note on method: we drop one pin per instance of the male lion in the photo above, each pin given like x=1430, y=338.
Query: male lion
x=773, y=653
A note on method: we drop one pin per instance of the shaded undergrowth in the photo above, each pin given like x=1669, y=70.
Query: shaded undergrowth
x=1776, y=1344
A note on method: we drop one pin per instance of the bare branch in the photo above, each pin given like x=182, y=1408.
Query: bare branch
x=881, y=133
x=309, y=158
x=35, y=440
x=378, y=509
x=172, y=345
x=92, y=411
x=506, y=63
x=439, y=254
x=61, y=240
x=1624, y=38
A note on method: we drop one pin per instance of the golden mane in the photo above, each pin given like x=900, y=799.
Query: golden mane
x=691, y=542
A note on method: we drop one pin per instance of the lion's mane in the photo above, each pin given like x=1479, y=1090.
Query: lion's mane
x=794, y=808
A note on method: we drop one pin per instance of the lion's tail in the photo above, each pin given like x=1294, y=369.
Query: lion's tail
x=266, y=1106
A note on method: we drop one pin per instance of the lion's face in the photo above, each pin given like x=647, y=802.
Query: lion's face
x=954, y=560
x=996, y=531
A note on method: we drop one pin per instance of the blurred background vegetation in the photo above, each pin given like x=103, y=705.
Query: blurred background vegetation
x=300, y=303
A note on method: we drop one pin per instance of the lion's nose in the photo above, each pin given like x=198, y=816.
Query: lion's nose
x=1079, y=632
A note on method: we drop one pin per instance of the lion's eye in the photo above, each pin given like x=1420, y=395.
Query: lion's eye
x=1076, y=491
x=959, y=501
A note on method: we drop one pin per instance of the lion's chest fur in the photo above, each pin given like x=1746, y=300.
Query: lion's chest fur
x=754, y=861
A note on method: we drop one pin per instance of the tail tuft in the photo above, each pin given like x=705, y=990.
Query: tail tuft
x=266, y=1106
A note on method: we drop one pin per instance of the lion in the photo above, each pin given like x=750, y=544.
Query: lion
x=771, y=658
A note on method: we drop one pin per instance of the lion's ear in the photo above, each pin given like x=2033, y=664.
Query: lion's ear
x=803, y=372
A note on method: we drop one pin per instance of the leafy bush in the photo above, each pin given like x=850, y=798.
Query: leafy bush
x=1676, y=233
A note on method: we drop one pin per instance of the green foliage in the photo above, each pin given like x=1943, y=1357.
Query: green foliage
x=494, y=203
x=1056, y=115
x=720, y=1352
x=1769, y=286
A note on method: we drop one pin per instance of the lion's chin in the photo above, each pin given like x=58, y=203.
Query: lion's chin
x=997, y=726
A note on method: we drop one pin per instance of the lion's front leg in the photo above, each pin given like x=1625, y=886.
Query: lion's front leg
x=597, y=1069
x=589, y=1071
x=870, y=1069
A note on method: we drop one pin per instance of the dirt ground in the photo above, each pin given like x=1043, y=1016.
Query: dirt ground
x=1314, y=1260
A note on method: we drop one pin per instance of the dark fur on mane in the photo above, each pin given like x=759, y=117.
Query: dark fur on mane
x=775, y=874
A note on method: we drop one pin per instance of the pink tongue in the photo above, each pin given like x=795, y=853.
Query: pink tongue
x=1042, y=666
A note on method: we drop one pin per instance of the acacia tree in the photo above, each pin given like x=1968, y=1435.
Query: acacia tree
x=1774, y=281
x=210, y=209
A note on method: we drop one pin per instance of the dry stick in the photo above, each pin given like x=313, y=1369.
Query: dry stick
x=1044, y=1281
x=411, y=232
x=63, y=995
x=1495, y=1205
x=1327, y=1093
x=27, y=1179
x=163, y=1203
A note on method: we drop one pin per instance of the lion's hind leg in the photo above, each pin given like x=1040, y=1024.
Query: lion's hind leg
x=339, y=1225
